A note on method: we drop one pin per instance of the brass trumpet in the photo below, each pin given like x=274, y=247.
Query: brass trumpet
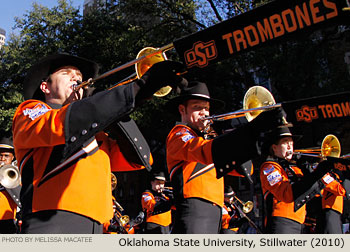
x=256, y=100
x=9, y=176
x=330, y=147
x=147, y=57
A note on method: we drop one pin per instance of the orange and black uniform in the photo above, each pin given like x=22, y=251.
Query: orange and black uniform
x=157, y=207
x=66, y=159
x=332, y=200
x=286, y=191
x=8, y=210
x=231, y=219
x=198, y=191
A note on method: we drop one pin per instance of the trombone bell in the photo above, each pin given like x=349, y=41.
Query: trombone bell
x=330, y=146
x=247, y=207
x=145, y=64
x=114, y=181
x=255, y=97
x=9, y=176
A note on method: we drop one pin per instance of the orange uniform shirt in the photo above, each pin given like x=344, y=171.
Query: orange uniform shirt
x=274, y=179
x=79, y=184
x=148, y=201
x=8, y=207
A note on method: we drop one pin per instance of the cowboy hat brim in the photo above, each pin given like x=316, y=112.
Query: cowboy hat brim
x=46, y=66
x=173, y=104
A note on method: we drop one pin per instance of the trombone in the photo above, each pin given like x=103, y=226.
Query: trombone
x=147, y=57
x=330, y=147
x=247, y=207
x=256, y=100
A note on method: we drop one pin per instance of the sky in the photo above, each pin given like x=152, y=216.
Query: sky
x=9, y=9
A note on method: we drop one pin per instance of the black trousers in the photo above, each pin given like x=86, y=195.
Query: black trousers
x=197, y=216
x=329, y=222
x=281, y=225
x=8, y=227
x=59, y=222
x=153, y=228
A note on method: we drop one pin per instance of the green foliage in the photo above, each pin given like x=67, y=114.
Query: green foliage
x=111, y=35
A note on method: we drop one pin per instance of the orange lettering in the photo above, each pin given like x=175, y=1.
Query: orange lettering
x=254, y=39
x=346, y=108
x=228, y=41
x=238, y=36
x=315, y=11
x=302, y=16
x=329, y=111
x=264, y=31
x=332, y=6
x=337, y=110
x=276, y=25
x=292, y=25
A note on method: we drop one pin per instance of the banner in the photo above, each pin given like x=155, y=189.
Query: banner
x=318, y=109
x=260, y=26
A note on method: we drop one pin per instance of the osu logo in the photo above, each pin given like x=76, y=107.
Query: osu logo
x=200, y=54
x=306, y=114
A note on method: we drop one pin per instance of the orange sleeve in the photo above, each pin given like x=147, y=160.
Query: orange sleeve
x=148, y=202
x=274, y=179
x=332, y=185
x=225, y=218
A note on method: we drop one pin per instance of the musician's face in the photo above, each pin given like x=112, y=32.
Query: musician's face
x=6, y=157
x=228, y=199
x=284, y=148
x=157, y=185
x=59, y=88
x=192, y=111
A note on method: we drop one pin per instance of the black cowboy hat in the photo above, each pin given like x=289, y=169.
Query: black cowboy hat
x=228, y=191
x=194, y=90
x=47, y=65
x=6, y=143
x=159, y=175
x=276, y=134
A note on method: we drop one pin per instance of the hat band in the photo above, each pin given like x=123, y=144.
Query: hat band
x=286, y=134
x=5, y=146
x=228, y=194
x=201, y=95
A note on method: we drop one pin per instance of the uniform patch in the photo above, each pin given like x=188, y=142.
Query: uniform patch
x=274, y=178
x=146, y=197
x=327, y=179
x=268, y=169
x=185, y=138
x=224, y=211
x=37, y=111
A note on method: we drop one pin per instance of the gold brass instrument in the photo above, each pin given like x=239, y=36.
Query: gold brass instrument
x=330, y=147
x=145, y=59
x=114, y=181
x=9, y=176
x=247, y=207
x=256, y=100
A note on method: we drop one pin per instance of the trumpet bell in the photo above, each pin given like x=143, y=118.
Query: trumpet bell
x=114, y=181
x=330, y=146
x=124, y=219
x=248, y=207
x=9, y=176
x=145, y=64
x=255, y=97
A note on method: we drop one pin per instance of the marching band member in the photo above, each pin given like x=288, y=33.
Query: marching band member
x=285, y=188
x=197, y=166
x=9, y=197
x=157, y=206
x=231, y=220
x=65, y=157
